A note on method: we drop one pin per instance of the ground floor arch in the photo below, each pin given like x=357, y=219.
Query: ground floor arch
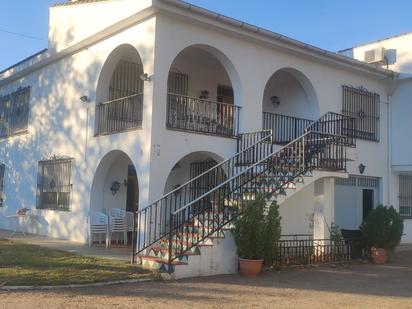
x=115, y=184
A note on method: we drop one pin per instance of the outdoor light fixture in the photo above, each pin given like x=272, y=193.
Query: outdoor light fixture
x=125, y=182
x=84, y=98
x=204, y=94
x=275, y=101
x=361, y=168
x=145, y=77
x=115, y=187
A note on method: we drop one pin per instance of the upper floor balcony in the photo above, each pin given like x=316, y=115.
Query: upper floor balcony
x=119, y=115
x=202, y=116
x=200, y=96
x=120, y=93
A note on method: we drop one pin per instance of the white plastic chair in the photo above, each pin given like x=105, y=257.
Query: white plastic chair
x=98, y=224
x=118, y=223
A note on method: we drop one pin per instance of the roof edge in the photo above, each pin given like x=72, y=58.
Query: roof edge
x=274, y=36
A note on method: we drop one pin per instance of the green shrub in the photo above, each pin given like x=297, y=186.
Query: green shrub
x=272, y=232
x=257, y=230
x=382, y=228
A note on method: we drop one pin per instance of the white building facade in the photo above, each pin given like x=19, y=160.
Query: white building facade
x=132, y=99
x=394, y=53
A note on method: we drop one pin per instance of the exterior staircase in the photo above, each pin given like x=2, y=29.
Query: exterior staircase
x=182, y=233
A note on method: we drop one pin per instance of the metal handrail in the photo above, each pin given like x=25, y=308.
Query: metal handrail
x=212, y=168
x=120, y=99
x=202, y=100
x=249, y=168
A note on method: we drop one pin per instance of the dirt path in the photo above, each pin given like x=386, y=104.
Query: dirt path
x=347, y=286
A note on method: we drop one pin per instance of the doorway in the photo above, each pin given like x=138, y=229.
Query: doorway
x=132, y=199
x=367, y=202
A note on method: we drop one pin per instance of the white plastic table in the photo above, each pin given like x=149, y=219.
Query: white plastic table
x=22, y=220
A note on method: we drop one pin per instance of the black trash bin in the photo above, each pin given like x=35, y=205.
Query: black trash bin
x=353, y=240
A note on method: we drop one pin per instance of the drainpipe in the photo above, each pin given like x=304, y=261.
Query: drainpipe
x=389, y=145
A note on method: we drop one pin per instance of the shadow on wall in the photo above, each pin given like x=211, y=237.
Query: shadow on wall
x=59, y=124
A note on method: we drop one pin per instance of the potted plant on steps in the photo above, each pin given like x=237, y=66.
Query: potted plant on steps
x=256, y=234
x=382, y=231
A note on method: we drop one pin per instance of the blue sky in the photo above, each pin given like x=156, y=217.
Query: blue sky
x=329, y=24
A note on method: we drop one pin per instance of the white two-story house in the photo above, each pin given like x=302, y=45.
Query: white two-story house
x=395, y=53
x=135, y=99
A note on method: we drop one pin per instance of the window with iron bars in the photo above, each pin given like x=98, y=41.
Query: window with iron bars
x=362, y=105
x=54, y=185
x=2, y=169
x=14, y=112
x=405, y=196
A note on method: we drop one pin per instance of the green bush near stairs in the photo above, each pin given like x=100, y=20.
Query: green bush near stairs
x=382, y=228
x=258, y=230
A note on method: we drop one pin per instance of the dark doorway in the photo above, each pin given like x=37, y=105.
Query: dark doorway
x=132, y=199
x=367, y=202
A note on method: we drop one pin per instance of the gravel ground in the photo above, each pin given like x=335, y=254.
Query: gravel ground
x=340, y=286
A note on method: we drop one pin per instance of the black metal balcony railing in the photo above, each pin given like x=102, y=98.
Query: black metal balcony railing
x=338, y=124
x=200, y=115
x=288, y=128
x=285, y=128
x=119, y=115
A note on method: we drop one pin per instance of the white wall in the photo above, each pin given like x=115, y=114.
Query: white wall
x=250, y=67
x=399, y=56
x=397, y=52
x=296, y=212
x=57, y=125
x=69, y=24
x=294, y=99
x=402, y=126
x=204, y=70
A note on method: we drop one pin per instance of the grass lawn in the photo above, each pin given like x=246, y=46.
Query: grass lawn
x=23, y=264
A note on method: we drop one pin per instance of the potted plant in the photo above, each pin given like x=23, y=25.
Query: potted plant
x=256, y=234
x=381, y=231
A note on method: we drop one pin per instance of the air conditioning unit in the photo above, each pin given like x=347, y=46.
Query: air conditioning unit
x=376, y=55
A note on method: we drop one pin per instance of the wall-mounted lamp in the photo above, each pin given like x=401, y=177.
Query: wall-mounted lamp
x=361, y=168
x=125, y=182
x=84, y=98
x=275, y=101
x=145, y=77
x=204, y=94
x=115, y=187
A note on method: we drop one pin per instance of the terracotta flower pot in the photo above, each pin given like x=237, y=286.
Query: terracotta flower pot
x=250, y=268
x=379, y=255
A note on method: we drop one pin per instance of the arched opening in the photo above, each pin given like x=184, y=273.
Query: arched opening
x=119, y=93
x=202, y=85
x=189, y=167
x=289, y=105
x=115, y=186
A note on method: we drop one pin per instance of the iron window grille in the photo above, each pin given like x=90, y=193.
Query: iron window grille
x=362, y=105
x=358, y=181
x=54, y=185
x=2, y=169
x=14, y=112
x=405, y=196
